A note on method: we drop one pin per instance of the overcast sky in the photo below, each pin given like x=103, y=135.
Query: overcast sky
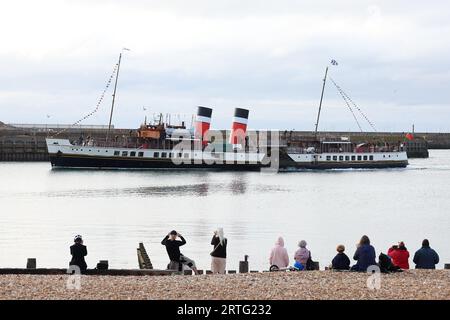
x=269, y=56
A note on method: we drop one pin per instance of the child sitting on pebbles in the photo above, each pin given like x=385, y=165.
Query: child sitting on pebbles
x=341, y=261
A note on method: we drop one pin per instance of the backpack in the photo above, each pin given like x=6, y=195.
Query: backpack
x=310, y=264
x=386, y=265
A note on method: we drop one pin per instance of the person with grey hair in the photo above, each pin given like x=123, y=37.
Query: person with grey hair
x=219, y=253
x=302, y=255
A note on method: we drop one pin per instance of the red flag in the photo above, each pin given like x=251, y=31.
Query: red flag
x=409, y=136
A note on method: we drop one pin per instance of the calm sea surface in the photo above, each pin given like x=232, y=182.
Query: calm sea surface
x=42, y=210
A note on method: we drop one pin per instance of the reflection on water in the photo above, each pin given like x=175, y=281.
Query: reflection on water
x=236, y=187
x=43, y=209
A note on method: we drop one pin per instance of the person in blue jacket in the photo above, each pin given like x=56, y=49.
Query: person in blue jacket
x=364, y=255
x=425, y=257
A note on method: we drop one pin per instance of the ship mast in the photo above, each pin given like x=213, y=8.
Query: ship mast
x=320, y=104
x=113, y=97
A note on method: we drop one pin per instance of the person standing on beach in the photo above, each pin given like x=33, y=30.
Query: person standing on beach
x=279, y=256
x=78, y=252
x=399, y=255
x=219, y=253
x=177, y=260
x=364, y=255
x=425, y=257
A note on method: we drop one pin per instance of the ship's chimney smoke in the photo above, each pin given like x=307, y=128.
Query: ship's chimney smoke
x=202, y=123
x=239, y=127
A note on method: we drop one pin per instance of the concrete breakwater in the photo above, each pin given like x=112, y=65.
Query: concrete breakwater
x=27, y=143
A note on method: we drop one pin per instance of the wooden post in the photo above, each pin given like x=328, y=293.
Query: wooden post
x=143, y=258
x=243, y=265
x=31, y=263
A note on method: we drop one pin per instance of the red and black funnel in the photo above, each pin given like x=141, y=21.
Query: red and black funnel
x=202, y=123
x=239, y=127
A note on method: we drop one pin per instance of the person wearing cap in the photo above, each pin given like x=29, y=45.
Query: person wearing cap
x=78, y=252
x=425, y=257
x=341, y=261
x=177, y=259
x=399, y=255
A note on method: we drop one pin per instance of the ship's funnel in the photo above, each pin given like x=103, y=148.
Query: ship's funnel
x=202, y=123
x=239, y=127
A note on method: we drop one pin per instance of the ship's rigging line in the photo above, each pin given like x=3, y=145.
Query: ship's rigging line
x=99, y=102
x=348, y=105
x=347, y=99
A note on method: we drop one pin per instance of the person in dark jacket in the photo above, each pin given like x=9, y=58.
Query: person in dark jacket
x=341, y=260
x=78, y=252
x=177, y=259
x=219, y=253
x=364, y=255
x=425, y=257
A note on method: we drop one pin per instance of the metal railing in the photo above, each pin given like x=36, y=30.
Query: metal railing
x=57, y=126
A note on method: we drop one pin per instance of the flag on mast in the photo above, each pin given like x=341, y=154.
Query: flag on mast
x=334, y=62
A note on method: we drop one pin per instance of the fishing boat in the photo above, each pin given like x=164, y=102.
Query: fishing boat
x=162, y=145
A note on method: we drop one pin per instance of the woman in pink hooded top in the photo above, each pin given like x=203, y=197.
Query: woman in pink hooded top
x=279, y=255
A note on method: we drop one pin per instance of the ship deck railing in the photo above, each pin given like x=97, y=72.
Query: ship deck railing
x=376, y=150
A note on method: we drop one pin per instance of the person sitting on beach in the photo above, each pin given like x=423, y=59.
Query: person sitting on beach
x=78, y=252
x=341, y=260
x=425, y=257
x=399, y=255
x=219, y=253
x=278, y=255
x=364, y=255
x=177, y=260
x=302, y=255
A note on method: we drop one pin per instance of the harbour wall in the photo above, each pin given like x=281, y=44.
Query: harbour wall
x=28, y=143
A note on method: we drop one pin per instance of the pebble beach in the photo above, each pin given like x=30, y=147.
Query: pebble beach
x=412, y=284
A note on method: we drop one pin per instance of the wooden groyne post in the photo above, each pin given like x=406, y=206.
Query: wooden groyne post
x=31, y=263
x=143, y=258
x=243, y=265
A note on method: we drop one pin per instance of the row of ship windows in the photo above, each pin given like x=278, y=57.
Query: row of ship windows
x=155, y=154
x=141, y=154
x=347, y=158
x=353, y=158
